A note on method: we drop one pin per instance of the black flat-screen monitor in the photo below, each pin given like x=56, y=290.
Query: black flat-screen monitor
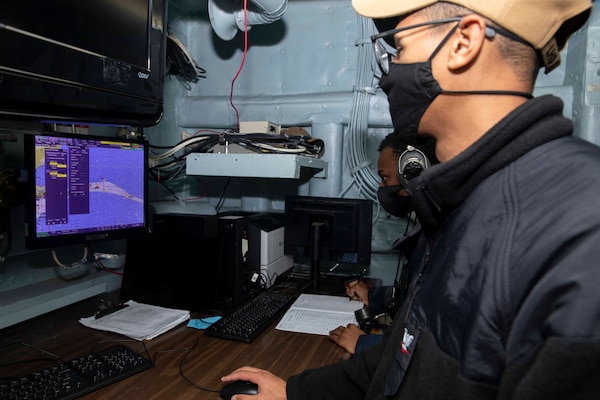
x=84, y=188
x=336, y=230
x=92, y=61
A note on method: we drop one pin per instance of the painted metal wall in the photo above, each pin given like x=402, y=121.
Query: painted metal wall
x=314, y=68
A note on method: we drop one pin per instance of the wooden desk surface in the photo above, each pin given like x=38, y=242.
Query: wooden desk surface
x=60, y=333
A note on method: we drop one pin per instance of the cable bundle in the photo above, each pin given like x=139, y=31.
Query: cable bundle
x=356, y=156
x=171, y=163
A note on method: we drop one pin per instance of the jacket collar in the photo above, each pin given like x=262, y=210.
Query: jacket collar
x=443, y=187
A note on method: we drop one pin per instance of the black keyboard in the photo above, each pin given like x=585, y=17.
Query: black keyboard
x=251, y=319
x=77, y=377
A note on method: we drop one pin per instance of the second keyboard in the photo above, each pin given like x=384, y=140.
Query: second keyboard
x=251, y=319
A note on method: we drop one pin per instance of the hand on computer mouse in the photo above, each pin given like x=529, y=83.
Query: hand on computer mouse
x=238, y=387
x=270, y=387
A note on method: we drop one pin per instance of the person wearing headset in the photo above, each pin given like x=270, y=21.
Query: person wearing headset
x=395, y=200
x=503, y=301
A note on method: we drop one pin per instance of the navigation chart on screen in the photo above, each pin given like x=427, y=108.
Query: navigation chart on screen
x=88, y=185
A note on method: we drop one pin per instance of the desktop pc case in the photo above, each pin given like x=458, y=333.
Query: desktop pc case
x=194, y=262
x=266, y=247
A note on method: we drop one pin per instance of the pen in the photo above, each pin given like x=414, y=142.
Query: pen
x=360, y=278
x=362, y=275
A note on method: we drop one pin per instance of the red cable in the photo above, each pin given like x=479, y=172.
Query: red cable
x=237, y=114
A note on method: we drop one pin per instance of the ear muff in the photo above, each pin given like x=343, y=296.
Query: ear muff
x=410, y=165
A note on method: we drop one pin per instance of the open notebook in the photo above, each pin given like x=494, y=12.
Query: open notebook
x=319, y=314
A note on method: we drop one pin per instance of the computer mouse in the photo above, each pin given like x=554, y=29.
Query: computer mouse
x=238, y=387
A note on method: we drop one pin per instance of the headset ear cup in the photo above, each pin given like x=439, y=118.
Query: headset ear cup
x=410, y=165
x=400, y=175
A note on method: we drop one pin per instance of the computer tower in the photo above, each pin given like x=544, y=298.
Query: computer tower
x=238, y=280
x=188, y=261
x=266, y=247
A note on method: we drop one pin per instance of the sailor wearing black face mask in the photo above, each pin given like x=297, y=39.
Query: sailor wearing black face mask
x=396, y=200
x=396, y=165
x=392, y=196
x=411, y=87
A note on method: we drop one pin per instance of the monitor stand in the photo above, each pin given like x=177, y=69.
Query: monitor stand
x=316, y=231
x=321, y=283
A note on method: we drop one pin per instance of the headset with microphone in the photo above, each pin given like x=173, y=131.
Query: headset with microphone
x=410, y=164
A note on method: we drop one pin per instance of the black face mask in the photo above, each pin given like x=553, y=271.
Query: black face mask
x=392, y=202
x=411, y=88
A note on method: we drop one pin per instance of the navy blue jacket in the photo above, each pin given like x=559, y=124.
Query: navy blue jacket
x=504, y=296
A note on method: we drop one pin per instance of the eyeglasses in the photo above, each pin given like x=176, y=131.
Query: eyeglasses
x=383, y=57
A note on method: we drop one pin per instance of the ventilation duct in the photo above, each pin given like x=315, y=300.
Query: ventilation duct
x=227, y=16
